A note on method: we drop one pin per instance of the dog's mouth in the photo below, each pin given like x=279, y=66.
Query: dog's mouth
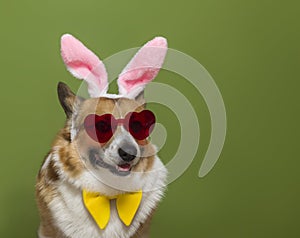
x=126, y=167
x=121, y=169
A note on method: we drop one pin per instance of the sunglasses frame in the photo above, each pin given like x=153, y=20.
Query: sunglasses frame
x=91, y=120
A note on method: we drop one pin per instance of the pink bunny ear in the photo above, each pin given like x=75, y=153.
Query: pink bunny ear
x=144, y=67
x=84, y=64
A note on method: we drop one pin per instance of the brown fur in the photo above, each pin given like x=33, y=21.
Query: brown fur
x=45, y=192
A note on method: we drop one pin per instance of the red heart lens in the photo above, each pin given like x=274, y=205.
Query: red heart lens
x=141, y=124
x=101, y=128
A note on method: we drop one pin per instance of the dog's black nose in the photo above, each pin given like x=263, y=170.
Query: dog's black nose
x=127, y=152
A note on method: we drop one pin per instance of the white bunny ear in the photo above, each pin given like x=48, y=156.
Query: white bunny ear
x=143, y=68
x=84, y=64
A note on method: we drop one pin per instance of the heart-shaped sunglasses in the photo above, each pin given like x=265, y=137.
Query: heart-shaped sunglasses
x=101, y=128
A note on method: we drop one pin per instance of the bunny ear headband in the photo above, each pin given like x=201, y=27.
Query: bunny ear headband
x=143, y=68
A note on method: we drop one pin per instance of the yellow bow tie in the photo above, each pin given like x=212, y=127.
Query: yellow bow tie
x=99, y=206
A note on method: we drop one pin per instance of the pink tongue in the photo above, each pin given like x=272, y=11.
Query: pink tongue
x=124, y=167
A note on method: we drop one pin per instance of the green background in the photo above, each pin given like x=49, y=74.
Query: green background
x=251, y=48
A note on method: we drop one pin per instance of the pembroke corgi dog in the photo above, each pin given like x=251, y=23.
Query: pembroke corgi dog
x=102, y=176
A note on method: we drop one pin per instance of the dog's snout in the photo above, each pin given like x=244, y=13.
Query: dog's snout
x=127, y=152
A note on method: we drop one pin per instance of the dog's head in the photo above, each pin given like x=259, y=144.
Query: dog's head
x=108, y=133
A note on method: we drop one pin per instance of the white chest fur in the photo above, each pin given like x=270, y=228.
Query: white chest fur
x=74, y=220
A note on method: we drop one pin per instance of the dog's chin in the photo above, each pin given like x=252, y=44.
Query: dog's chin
x=119, y=169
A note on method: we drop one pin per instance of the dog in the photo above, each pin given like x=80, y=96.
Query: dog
x=102, y=176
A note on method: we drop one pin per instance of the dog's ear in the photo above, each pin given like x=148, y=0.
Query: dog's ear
x=143, y=68
x=84, y=64
x=68, y=100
